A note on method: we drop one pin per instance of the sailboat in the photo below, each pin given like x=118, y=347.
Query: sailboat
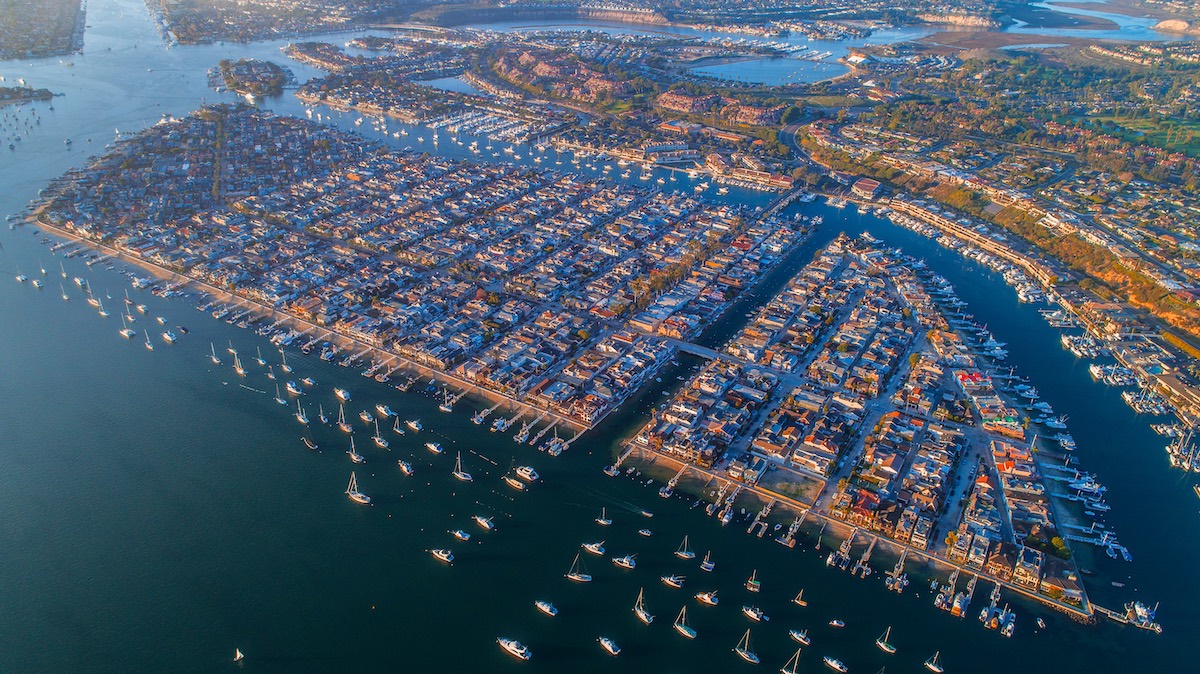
x=353, y=492
x=396, y=427
x=237, y=367
x=752, y=583
x=346, y=428
x=300, y=415
x=708, y=564
x=459, y=472
x=237, y=655
x=578, y=573
x=379, y=439
x=683, y=552
x=104, y=312
x=883, y=643
x=681, y=625
x=284, y=366
x=62, y=269
x=354, y=455
x=126, y=332
x=799, y=600
x=213, y=356
x=603, y=520
x=933, y=665
x=230, y=350
x=640, y=609
x=743, y=649
x=792, y=665
x=321, y=415
x=65, y=297
x=446, y=398
x=260, y=359
x=279, y=399
x=149, y=346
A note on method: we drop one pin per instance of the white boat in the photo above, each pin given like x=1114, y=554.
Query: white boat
x=709, y=598
x=627, y=562
x=125, y=330
x=484, y=522
x=837, y=623
x=278, y=398
x=708, y=565
x=461, y=535
x=799, y=599
x=353, y=492
x=342, y=424
x=546, y=607
x=433, y=447
x=515, y=648
x=459, y=473
x=754, y=613
x=414, y=424
x=800, y=636
x=577, y=572
x=66, y=298
x=645, y=532
x=169, y=337
x=514, y=483
x=681, y=625
x=596, y=548
x=684, y=552
x=883, y=643
x=792, y=666
x=396, y=427
x=443, y=555
x=149, y=345
x=527, y=473
x=639, y=608
x=366, y=416
x=384, y=411
x=288, y=368
x=673, y=580
x=743, y=649
x=933, y=665
x=380, y=441
x=405, y=467
x=259, y=359
x=835, y=664
x=609, y=645
x=752, y=583
x=300, y=415
x=342, y=394
x=321, y=415
x=237, y=366
x=603, y=519
x=213, y=356
x=237, y=655
x=354, y=455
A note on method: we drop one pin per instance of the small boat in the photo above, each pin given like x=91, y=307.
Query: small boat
x=353, y=492
x=433, y=447
x=384, y=411
x=835, y=664
x=169, y=337
x=366, y=416
x=709, y=598
x=484, y=523
x=514, y=483
x=380, y=441
x=933, y=665
x=754, y=613
x=673, y=580
x=684, y=552
x=681, y=625
x=837, y=623
x=342, y=424
x=342, y=394
x=284, y=365
x=546, y=607
x=752, y=583
x=639, y=608
x=743, y=649
x=300, y=415
x=149, y=344
x=461, y=535
x=308, y=381
x=278, y=398
x=603, y=519
x=414, y=424
x=792, y=666
x=396, y=427
x=515, y=648
x=627, y=562
x=405, y=467
x=645, y=532
x=577, y=572
x=308, y=443
x=708, y=565
x=527, y=473
x=354, y=455
x=800, y=636
x=444, y=555
x=213, y=356
x=883, y=643
x=596, y=548
x=609, y=645
x=459, y=473
x=294, y=388
x=1041, y=624
x=237, y=655
x=799, y=600
x=261, y=362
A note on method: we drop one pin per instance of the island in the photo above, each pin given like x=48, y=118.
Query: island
x=251, y=77
x=17, y=95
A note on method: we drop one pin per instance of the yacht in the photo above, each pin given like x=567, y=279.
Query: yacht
x=444, y=555
x=933, y=665
x=627, y=562
x=342, y=424
x=640, y=609
x=709, y=598
x=603, y=519
x=353, y=492
x=527, y=473
x=461, y=535
x=684, y=552
x=681, y=625
x=577, y=572
x=484, y=522
x=800, y=636
x=433, y=447
x=515, y=648
x=835, y=664
x=743, y=649
x=414, y=424
x=459, y=473
x=546, y=607
x=342, y=394
x=883, y=643
x=708, y=565
x=596, y=548
x=384, y=411
x=673, y=580
x=754, y=613
x=354, y=455
x=609, y=645
x=405, y=467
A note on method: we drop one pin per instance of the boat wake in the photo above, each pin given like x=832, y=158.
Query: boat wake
x=251, y=388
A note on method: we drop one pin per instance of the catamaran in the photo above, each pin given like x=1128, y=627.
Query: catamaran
x=434, y=447
x=379, y=439
x=515, y=648
x=353, y=492
x=683, y=552
x=752, y=583
x=933, y=665
x=300, y=415
x=354, y=455
x=213, y=348
x=346, y=428
x=578, y=573
x=883, y=643
x=708, y=564
x=743, y=649
x=681, y=625
x=459, y=473
x=603, y=520
x=640, y=609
